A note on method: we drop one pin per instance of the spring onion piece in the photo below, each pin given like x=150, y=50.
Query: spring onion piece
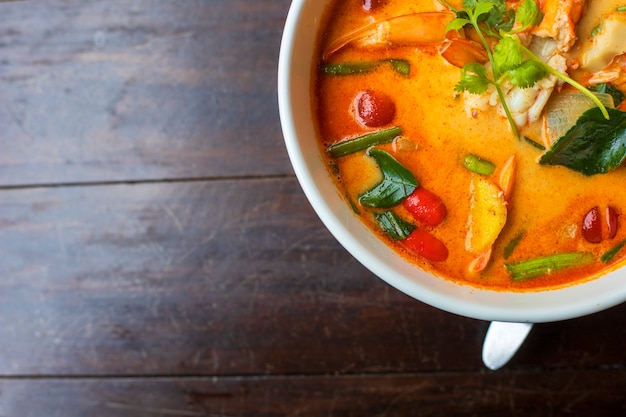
x=361, y=143
x=401, y=66
x=393, y=225
x=349, y=68
x=532, y=268
x=611, y=253
x=478, y=165
x=510, y=247
x=535, y=144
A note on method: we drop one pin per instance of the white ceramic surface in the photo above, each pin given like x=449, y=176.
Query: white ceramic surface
x=294, y=83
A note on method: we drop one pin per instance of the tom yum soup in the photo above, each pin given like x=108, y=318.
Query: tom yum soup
x=482, y=140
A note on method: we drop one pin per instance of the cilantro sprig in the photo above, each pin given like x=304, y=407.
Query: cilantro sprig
x=510, y=59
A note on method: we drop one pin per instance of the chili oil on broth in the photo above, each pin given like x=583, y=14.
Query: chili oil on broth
x=547, y=204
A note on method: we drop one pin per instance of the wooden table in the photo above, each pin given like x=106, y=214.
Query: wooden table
x=158, y=257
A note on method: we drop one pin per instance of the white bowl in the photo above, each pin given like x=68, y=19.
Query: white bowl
x=294, y=85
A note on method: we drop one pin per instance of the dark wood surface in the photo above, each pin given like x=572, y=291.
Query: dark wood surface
x=158, y=257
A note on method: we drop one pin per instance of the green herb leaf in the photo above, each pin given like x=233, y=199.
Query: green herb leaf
x=526, y=75
x=393, y=225
x=397, y=184
x=609, y=255
x=510, y=247
x=495, y=10
x=594, y=145
x=457, y=24
x=507, y=55
x=535, y=144
x=541, y=266
x=596, y=31
x=528, y=14
x=482, y=7
x=347, y=147
x=473, y=79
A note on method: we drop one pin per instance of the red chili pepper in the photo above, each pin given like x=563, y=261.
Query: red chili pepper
x=592, y=226
x=426, y=245
x=426, y=207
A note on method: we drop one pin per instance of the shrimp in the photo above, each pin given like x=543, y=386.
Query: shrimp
x=614, y=73
x=525, y=104
x=560, y=18
x=424, y=28
x=418, y=29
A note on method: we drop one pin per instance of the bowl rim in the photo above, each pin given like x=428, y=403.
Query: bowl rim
x=533, y=306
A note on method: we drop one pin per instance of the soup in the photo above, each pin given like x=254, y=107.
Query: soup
x=507, y=197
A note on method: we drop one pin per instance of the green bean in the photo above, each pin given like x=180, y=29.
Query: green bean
x=360, y=143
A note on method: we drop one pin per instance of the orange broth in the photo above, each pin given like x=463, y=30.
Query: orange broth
x=548, y=203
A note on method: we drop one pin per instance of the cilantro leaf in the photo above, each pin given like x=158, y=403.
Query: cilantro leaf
x=497, y=14
x=457, y=24
x=483, y=7
x=473, y=79
x=528, y=14
x=507, y=55
x=594, y=145
x=526, y=75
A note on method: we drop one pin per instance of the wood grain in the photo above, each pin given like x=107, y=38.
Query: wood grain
x=117, y=91
x=566, y=393
x=223, y=277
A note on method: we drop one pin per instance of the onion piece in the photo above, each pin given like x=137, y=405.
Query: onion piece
x=564, y=109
